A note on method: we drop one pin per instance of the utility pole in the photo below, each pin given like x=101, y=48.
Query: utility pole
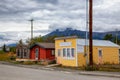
x=116, y=36
x=31, y=28
x=86, y=40
x=90, y=32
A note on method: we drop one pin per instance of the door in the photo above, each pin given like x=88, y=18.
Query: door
x=100, y=56
x=36, y=53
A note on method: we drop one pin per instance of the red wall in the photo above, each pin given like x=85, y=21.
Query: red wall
x=49, y=54
x=44, y=54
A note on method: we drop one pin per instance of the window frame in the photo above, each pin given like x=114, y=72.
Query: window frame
x=59, y=52
x=66, y=53
x=25, y=52
x=100, y=54
x=36, y=53
x=73, y=52
x=18, y=53
x=53, y=52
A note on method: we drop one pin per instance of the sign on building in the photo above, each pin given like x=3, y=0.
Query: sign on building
x=80, y=49
x=65, y=44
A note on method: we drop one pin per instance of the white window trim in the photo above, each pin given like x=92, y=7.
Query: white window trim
x=71, y=58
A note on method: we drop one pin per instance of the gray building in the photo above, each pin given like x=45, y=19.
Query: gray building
x=22, y=51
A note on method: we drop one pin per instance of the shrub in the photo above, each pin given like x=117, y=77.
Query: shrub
x=4, y=57
x=12, y=58
x=2, y=52
x=92, y=68
x=52, y=62
x=28, y=62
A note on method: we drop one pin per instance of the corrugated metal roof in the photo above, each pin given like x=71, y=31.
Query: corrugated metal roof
x=44, y=45
x=97, y=43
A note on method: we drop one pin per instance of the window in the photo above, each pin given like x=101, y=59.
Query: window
x=21, y=50
x=36, y=53
x=59, y=52
x=18, y=52
x=25, y=52
x=100, y=53
x=64, y=52
x=72, y=52
x=68, y=52
x=53, y=52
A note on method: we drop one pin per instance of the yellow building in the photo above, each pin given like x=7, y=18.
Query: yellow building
x=72, y=51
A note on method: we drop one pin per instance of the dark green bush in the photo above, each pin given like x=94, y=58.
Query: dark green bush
x=12, y=58
x=52, y=62
x=92, y=68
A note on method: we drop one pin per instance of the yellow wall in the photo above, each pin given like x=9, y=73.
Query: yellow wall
x=62, y=60
x=110, y=55
x=81, y=59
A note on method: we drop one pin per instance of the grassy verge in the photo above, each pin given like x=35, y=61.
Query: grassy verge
x=7, y=56
x=108, y=68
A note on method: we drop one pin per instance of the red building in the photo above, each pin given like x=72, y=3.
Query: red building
x=42, y=51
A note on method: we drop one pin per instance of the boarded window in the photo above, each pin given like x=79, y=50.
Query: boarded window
x=59, y=52
x=80, y=49
x=53, y=52
x=100, y=53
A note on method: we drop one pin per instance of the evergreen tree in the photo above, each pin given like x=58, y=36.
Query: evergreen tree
x=20, y=42
x=108, y=37
x=4, y=48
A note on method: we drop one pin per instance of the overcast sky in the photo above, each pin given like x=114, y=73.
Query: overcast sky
x=52, y=14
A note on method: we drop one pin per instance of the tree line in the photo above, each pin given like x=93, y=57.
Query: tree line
x=112, y=38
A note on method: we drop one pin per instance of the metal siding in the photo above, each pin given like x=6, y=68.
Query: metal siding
x=97, y=43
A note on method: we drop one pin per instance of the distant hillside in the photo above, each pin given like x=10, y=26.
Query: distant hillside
x=12, y=45
x=81, y=34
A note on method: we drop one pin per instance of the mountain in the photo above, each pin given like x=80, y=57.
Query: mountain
x=12, y=45
x=81, y=34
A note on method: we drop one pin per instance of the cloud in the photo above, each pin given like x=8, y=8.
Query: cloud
x=52, y=14
x=47, y=1
x=15, y=36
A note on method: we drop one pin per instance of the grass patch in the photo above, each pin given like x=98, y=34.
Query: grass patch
x=7, y=56
x=113, y=68
x=2, y=52
x=109, y=68
x=29, y=62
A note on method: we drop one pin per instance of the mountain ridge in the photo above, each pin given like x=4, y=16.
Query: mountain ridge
x=81, y=34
